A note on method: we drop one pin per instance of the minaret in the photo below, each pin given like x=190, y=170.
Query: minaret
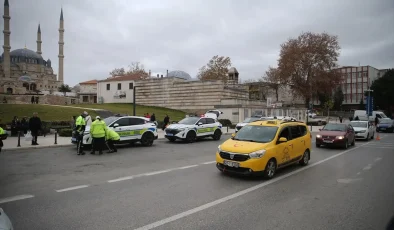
x=61, y=45
x=7, y=46
x=39, y=40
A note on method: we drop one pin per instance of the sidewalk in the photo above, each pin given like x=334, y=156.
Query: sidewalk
x=48, y=141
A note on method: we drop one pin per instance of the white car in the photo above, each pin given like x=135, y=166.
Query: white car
x=131, y=129
x=192, y=128
x=215, y=114
x=5, y=222
x=363, y=129
x=246, y=121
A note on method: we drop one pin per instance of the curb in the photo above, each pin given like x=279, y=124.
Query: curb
x=58, y=145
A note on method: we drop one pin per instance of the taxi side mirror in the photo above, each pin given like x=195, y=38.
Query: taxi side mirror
x=233, y=135
x=282, y=139
x=116, y=125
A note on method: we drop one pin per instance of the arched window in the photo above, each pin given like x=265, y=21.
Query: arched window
x=26, y=85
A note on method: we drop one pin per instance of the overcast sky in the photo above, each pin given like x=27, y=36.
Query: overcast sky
x=101, y=35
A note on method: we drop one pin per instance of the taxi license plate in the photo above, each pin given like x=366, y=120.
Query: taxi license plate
x=231, y=164
x=170, y=134
x=328, y=141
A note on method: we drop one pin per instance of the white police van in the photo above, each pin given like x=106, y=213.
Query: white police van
x=131, y=129
x=191, y=128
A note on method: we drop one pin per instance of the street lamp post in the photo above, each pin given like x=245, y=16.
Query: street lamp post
x=369, y=101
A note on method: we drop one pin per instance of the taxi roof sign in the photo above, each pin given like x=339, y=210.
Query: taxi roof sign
x=272, y=122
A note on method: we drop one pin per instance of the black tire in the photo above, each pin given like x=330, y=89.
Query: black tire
x=217, y=135
x=367, y=138
x=373, y=136
x=305, y=158
x=191, y=137
x=354, y=141
x=346, y=144
x=171, y=139
x=317, y=145
x=147, y=139
x=270, y=169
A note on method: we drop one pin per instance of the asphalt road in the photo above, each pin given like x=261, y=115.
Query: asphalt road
x=177, y=186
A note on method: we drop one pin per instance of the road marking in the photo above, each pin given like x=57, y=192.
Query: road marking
x=15, y=198
x=378, y=159
x=358, y=173
x=368, y=167
x=72, y=188
x=121, y=179
x=157, y=172
x=348, y=180
x=209, y=162
x=376, y=147
x=186, y=167
x=240, y=193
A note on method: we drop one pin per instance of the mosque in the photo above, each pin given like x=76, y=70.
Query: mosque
x=24, y=71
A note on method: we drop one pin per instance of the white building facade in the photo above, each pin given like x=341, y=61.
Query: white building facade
x=116, y=89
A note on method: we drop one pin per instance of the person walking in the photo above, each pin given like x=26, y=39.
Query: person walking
x=80, y=126
x=35, y=126
x=2, y=136
x=88, y=120
x=112, y=138
x=166, y=121
x=98, y=132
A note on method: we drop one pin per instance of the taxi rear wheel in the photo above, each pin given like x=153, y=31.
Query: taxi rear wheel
x=147, y=139
x=305, y=158
x=270, y=169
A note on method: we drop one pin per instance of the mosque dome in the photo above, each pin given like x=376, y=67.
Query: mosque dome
x=179, y=74
x=26, y=53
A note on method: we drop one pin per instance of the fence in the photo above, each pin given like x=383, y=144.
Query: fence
x=343, y=114
x=299, y=114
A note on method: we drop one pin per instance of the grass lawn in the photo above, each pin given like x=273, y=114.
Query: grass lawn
x=127, y=108
x=58, y=113
x=45, y=112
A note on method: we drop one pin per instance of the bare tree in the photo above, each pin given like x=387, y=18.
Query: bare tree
x=308, y=64
x=135, y=68
x=216, y=69
x=117, y=72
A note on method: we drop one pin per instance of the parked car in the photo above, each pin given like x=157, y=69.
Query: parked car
x=5, y=222
x=340, y=135
x=191, y=128
x=363, y=129
x=130, y=129
x=246, y=121
x=385, y=125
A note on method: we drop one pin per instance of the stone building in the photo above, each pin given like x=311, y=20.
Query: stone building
x=24, y=71
x=88, y=92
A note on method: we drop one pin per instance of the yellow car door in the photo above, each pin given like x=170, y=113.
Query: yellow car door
x=298, y=141
x=284, y=150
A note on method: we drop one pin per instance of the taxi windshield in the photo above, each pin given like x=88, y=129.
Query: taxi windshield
x=189, y=120
x=359, y=124
x=251, y=119
x=256, y=133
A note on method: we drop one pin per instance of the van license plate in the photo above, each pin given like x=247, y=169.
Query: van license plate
x=231, y=164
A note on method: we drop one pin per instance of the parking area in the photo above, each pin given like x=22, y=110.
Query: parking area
x=177, y=186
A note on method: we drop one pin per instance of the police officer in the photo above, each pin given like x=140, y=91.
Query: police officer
x=80, y=125
x=2, y=135
x=112, y=137
x=98, y=130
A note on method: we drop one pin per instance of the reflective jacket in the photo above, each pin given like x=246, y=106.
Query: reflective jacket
x=80, y=124
x=112, y=135
x=98, y=129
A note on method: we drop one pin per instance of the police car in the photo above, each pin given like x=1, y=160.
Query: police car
x=191, y=128
x=131, y=129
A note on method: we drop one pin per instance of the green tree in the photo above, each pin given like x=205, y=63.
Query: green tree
x=338, y=98
x=329, y=104
x=323, y=98
x=64, y=88
x=383, y=93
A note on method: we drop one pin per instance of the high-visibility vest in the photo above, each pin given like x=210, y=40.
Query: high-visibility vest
x=112, y=135
x=98, y=129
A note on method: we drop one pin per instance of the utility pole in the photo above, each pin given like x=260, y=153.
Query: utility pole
x=134, y=106
x=369, y=100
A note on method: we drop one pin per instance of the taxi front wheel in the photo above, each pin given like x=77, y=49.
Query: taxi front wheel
x=270, y=169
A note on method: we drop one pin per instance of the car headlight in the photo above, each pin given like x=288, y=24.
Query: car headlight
x=219, y=149
x=340, y=137
x=257, y=154
x=318, y=136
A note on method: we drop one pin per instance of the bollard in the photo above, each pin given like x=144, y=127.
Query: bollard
x=311, y=128
x=56, y=137
x=19, y=139
x=227, y=129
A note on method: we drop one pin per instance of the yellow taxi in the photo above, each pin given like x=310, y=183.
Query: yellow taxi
x=262, y=147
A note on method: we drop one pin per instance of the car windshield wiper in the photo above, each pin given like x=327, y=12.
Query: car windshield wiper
x=247, y=140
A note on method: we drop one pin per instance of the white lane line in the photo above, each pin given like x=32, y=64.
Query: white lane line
x=358, y=173
x=15, y=198
x=209, y=162
x=157, y=172
x=72, y=188
x=186, y=167
x=378, y=159
x=121, y=179
x=235, y=195
x=376, y=147
x=368, y=167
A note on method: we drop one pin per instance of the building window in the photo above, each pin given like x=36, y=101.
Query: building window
x=119, y=86
x=108, y=87
x=85, y=98
x=131, y=85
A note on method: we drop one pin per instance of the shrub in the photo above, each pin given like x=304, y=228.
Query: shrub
x=225, y=122
x=65, y=132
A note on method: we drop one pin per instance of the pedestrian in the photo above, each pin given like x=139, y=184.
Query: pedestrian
x=112, y=138
x=35, y=126
x=88, y=120
x=3, y=135
x=98, y=133
x=15, y=126
x=166, y=121
x=24, y=125
x=153, y=118
x=147, y=115
x=80, y=126
x=376, y=120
